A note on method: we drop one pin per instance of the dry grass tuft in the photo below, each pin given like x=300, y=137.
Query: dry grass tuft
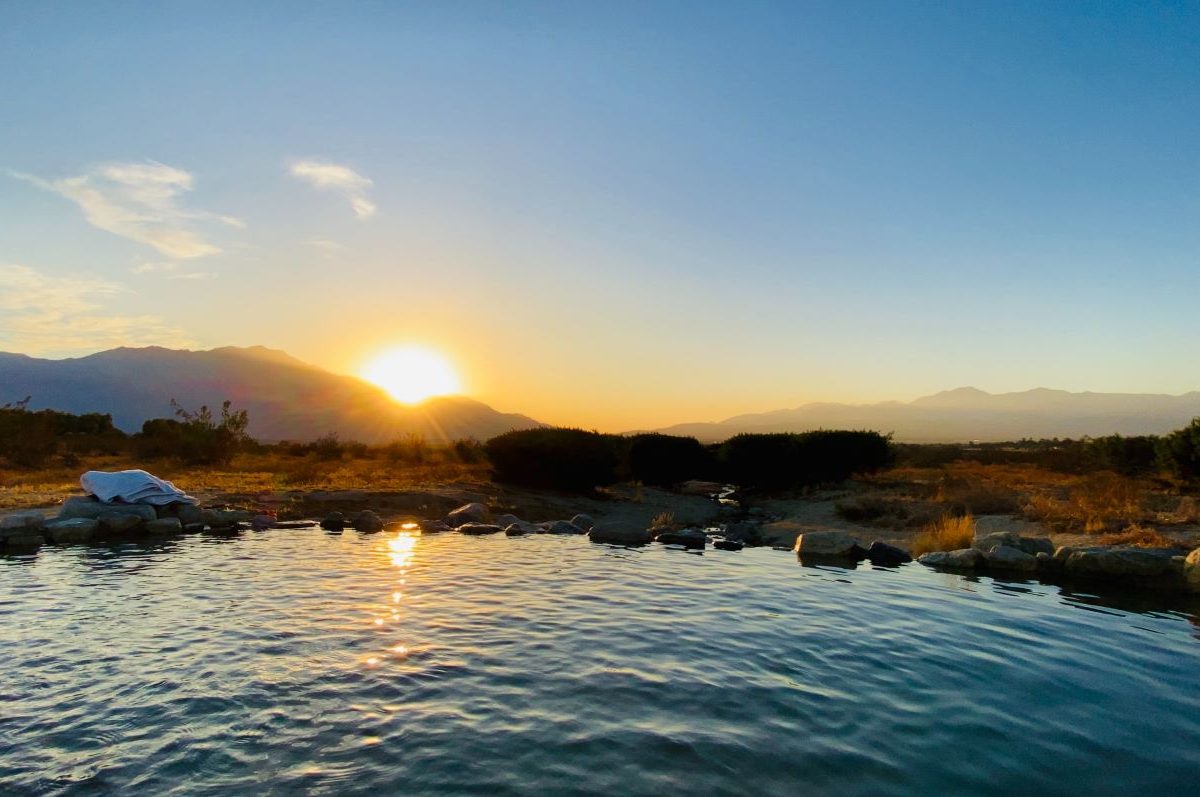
x=1139, y=537
x=947, y=534
x=663, y=521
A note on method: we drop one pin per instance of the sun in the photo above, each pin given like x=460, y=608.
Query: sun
x=412, y=374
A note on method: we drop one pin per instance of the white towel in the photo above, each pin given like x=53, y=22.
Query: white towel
x=132, y=487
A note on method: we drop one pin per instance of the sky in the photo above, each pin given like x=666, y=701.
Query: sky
x=615, y=215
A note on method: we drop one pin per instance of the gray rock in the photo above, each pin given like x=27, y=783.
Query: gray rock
x=583, y=521
x=506, y=520
x=836, y=544
x=1036, y=545
x=689, y=538
x=747, y=531
x=1046, y=563
x=119, y=523
x=986, y=541
x=880, y=553
x=165, y=525
x=515, y=530
x=367, y=521
x=78, y=529
x=89, y=507
x=226, y=518
x=189, y=514
x=1006, y=557
x=432, y=526
x=334, y=521
x=564, y=527
x=258, y=522
x=479, y=528
x=728, y=545
x=615, y=532
x=1120, y=562
x=473, y=512
x=22, y=539
x=22, y=521
x=962, y=559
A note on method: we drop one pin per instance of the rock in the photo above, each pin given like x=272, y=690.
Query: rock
x=189, y=514
x=88, y=507
x=1006, y=557
x=226, y=518
x=77, y=529
x=728, y=545
x=1119, y=562
x=367, y=521
x=23, y=521
x=986, y=541
x=193, y=528
x=479, y=528
x=1046, y=563
x=119, y=523
x=962, y=559
x=515, y=530
x=1036, y=545
x=747, y=531
x=697, y=487
x=473, y=512
x=166, y=525
x=583, y=521
x=506, y=520
x=22, y=539
x=258, y=522
x=884, y=555
x=334, y=521
x=1191, y=570
x=615, y=532
x=432, y=526
x=837, y=544
x=689, y=538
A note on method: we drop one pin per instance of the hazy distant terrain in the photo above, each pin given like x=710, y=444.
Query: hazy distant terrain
x=287, y=399
x=969, y=414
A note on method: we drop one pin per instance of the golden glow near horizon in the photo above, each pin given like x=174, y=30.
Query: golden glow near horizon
x=412, y=374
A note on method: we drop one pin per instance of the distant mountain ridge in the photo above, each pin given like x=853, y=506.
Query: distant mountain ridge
x=287, y=399
x=967, y=413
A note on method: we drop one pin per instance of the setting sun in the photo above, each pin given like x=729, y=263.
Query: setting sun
x=412, y=374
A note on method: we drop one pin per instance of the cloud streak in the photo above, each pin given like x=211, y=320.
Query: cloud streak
x=140, y=201
x=325, y=176
x=48, y=315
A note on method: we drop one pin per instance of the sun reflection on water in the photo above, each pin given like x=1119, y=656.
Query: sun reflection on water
x=401, y=551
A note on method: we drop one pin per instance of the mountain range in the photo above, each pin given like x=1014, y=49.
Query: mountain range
x=286, y=399
x=967, y=414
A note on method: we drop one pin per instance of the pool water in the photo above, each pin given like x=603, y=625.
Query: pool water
x=304, y=662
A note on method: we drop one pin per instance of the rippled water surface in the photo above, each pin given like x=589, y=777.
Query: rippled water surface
x=302, y=662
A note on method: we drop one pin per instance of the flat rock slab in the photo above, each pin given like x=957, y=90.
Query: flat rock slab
x=615, y=532
x=72, y=529
x=88, y=507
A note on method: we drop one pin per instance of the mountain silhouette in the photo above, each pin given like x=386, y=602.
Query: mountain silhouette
x=287, y=399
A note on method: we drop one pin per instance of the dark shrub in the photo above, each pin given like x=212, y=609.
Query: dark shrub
x=1129, y=456
x=1179, y=452
x=782, y=461
x=468, y=451
x=205, y=440
x=27, y=439
x=565, y=459
x=663, y=460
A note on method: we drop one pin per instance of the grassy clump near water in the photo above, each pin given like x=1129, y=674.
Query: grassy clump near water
x=949, y=533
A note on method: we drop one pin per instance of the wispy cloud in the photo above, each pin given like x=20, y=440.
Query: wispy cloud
x=139, y=201
x=326, y=176
x=47, y=315
x=171, y=270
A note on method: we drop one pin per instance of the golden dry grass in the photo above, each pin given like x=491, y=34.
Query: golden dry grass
x=947, y=534
x=248, y=473
x=1138, y=537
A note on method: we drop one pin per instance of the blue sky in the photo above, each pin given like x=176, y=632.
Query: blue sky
x=611, y=214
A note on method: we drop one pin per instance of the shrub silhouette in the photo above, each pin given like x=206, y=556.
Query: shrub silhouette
x=664, y=460
x=198, y=437
x=1179, y=452
x=1128, y=456
x=564, y=459
x=783, y=461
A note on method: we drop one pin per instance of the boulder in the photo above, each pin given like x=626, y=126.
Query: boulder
x=165, y=525
x=1036, y=545
x=119, y=523
x=615, y=532
x=1191, y=570
x=479, y=528
x=473, y=512
x=1120, y=562
x=23, y=530
x=334, y=521
x=85, y=506
x=22, y=521
x=521, y=528
x=432, y=526
x=688, y=538
x=564, y=527
x=367, y=521
x=728, y=545
x=986, y=541
x=583, y=521
x=962, y=559
x=835, y=544
x=226, y=518
x=77, y=529
x=747, y=531
x=1046, y=563
x=189, y=514
x=258, y=522
x=1006, y=557
x=884, y=555
x=506, y=520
